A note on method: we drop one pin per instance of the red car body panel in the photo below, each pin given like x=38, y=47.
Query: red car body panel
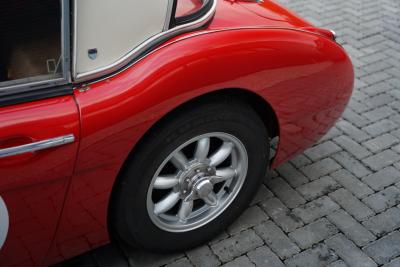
x=305, y=77
x=34, y=185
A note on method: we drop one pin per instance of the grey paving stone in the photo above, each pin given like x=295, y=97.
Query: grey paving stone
x=239, y=262
x=351, y=228
x=379, y=100
x=320, y=168
x=382, y=159
x=384, y=249
x=381, y=142
x=351, y=164
x=380, y=127
x=384, y=199
x=379, y=113
x=277, y=240
x=332, y=133
x=378, y=88
x=352, y=147
x=251, y=217
x=318, y=188
x=281, y=215
x=313, y=233
x=352, y=184
x=317, y=256
x=393, y=263
x=396, y=149
x=315, y=209
x=146, y=259
x=264, y=257
x=221, y=236
x=385, y=222
x=351, y=204
x=184, y=262
x=263, y=193
x=355, y=118
x=230, y=248
x=382, y=178
x=323, y=150
x=294, y=177
x=203, y=257
x=349, y=252
x=338, y=263
x=285, y=193
x=396, y=133
x=300, y=161
x=352, y=131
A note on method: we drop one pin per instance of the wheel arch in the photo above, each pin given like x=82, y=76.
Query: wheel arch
x=258, y=103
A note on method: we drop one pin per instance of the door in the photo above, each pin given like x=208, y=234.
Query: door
x=39, y=127
x=38, y=146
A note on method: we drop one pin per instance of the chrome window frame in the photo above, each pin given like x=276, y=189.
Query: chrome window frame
x=170, y=30
x=65, y=55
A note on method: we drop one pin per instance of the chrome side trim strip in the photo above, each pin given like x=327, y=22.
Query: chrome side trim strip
x=169, y=16
x=37, y=146
x=81, y=77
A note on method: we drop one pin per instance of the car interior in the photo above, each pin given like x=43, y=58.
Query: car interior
x=30, y=49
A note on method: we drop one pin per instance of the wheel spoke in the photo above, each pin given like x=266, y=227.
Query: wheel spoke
x=179, y=160
x=166, y=203
x=222, y=154
x=166, y=182
x=211, y=199
x=223, y=175
x=185, y=210
x=203, y=146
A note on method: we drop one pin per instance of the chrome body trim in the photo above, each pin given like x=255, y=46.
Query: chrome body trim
x=37, y=146
x=136, y=52
x=169, y=16
x=334, y=34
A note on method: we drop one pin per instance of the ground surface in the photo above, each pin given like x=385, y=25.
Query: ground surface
x=338, y=203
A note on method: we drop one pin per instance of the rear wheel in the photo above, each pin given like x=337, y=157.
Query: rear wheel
x=191, y=177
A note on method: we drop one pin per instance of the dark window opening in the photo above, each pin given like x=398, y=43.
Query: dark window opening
x=30, y=46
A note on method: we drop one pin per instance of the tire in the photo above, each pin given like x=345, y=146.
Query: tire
x=134, y=213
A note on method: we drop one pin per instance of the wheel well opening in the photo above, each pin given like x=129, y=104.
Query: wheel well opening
x=260, y=105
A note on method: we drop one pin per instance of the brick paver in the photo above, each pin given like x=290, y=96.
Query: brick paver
x=338, y=204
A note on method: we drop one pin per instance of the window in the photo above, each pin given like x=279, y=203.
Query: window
x=106, y=31
x=32, y=50
x=111, y=35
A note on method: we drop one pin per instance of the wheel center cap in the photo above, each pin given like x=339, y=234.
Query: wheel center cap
x=203, y=188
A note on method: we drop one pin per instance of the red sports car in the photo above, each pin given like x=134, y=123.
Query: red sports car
x=151, y=122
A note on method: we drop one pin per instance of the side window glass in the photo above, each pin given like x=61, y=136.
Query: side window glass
x=31, y=49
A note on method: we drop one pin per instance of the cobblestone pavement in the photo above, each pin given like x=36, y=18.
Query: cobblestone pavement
x=338, y=203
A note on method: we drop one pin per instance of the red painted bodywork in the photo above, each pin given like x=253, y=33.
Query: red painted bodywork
x=264, y=49
x=187, y=7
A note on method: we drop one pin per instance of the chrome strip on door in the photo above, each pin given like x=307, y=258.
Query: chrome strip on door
x=37, y=146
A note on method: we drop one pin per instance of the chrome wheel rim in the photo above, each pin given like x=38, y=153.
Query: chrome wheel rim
x=197, y=182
